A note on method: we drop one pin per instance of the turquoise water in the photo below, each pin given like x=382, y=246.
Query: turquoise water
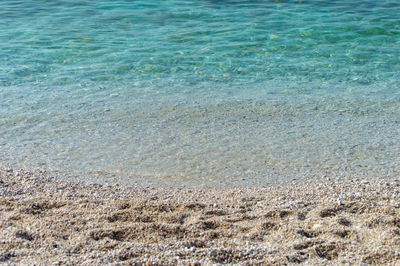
x=201, y=92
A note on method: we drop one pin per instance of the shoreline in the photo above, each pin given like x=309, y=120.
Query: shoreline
x=49, y=220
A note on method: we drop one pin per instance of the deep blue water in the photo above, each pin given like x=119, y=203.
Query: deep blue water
x=201, y=92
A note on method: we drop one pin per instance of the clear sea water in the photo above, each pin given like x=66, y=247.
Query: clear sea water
x=201, y=92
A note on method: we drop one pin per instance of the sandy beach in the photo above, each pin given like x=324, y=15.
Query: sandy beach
x=45, y=220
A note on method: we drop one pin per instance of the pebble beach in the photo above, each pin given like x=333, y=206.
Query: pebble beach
x=47, y=220
x=200, y=132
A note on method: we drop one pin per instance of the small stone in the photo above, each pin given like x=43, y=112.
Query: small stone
x=317, y=226
x=343, y=221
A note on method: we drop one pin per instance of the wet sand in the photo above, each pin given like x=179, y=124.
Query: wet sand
x=46, y=220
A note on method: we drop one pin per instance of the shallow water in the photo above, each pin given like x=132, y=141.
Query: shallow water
x=201, y=92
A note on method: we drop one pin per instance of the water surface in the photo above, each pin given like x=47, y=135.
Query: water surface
x=201, y=92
